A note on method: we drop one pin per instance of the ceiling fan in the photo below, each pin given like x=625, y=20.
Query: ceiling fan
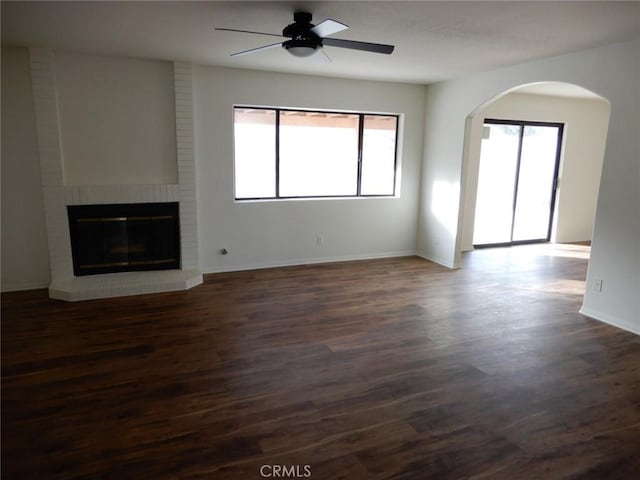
x=305, y=39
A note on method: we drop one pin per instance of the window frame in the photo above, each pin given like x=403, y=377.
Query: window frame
x=361, y=117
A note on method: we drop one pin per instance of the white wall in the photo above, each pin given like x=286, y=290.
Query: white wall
x=117, y=120
x=612, y=72
x=585, y=132
x=117, y=127
x=267, y=233
x=103, y=123
x=259, y=234
x=25, y=262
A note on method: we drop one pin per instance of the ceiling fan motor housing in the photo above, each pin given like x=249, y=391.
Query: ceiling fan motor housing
x=300, y=33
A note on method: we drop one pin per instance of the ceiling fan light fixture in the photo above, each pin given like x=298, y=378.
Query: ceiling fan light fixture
x=302, y=47
x=301, y=51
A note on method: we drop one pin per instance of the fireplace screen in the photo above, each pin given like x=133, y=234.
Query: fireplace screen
x=124, y=237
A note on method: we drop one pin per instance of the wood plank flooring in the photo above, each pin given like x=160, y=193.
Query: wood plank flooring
x=382, y=369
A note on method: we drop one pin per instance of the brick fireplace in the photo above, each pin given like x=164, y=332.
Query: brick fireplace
x=68, y=280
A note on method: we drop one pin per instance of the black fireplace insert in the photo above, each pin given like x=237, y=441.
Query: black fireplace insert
x=124, y=237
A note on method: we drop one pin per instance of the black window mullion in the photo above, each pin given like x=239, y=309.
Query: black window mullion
x=522, y=124
x=360, y=157
x=360, y=142
x=277, y=153
x=395, y=156
x=556, y=170
x=515, y=187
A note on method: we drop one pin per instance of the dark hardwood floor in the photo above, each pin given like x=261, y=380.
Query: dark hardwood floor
x=383, y=369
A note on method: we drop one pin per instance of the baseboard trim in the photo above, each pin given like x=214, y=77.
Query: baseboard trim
x=608, y=319
x=21, y=287
x=313, y=261
x=439, y=261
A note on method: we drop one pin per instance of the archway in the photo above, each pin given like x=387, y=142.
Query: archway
x=585, y=117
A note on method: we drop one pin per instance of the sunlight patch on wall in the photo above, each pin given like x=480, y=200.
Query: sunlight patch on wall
x=444, y=204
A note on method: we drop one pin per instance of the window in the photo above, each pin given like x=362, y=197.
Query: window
x=283, y=153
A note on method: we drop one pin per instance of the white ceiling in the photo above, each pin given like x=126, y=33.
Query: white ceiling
x=555, y=89
x=434, y=40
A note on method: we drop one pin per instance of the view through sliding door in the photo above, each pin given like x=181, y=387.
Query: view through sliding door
x=516, y=182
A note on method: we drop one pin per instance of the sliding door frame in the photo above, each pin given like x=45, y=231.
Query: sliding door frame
x=556, y=169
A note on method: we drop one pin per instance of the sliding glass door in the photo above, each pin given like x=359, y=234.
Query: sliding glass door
x=516, y=182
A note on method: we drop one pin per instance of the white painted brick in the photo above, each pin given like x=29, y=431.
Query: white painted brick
x=64, y=285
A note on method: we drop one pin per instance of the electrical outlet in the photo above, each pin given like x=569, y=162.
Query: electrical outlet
x=319, y=239
x=597, y=285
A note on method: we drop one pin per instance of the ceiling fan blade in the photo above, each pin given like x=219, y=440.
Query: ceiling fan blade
x=365, y=46
x=257, y=49
x=248, y=31
x=328, y=27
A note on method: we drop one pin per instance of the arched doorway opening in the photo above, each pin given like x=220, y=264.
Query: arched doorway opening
x=581, y=116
